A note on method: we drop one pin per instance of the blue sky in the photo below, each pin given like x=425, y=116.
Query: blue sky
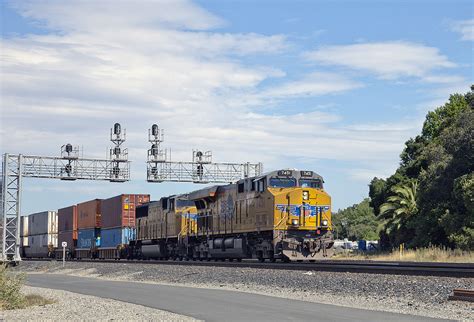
x=331, y=86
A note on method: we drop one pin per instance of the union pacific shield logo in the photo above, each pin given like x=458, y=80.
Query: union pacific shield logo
x=309, y=210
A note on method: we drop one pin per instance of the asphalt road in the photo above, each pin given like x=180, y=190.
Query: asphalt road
x=212, y=305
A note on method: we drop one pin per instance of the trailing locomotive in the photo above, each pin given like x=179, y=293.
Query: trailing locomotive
x=283, y=215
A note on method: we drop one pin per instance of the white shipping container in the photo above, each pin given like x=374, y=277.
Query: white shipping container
x=45, y=222
x=24, y=241
x=23, y=226
x=40, y=245
x=43, y=240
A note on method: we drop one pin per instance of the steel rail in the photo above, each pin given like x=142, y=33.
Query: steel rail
x=465, y=270
x=462, y=295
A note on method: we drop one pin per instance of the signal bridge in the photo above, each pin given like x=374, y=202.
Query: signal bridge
x=200, y=170
x=69, y=166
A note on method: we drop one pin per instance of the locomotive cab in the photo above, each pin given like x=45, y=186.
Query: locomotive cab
x=302, y=215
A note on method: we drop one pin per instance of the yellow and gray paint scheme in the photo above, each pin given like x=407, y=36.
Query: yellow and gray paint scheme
x=284, y=214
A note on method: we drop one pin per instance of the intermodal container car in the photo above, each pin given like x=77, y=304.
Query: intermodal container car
x=119, y=211
x=45, y=222
x=67, y=219
x=86, y=238
x=88, y=214
x=113, y=237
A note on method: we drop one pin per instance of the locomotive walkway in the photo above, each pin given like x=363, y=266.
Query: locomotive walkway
x=210, y=304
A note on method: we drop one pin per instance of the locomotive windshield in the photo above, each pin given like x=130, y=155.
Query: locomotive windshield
x=282, y=182
x=184, y=203
x=310, y=183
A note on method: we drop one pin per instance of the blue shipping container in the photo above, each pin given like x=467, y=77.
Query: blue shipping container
x=86, y=237
x=112, y=237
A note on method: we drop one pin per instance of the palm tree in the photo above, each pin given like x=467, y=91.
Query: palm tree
x=401, y=205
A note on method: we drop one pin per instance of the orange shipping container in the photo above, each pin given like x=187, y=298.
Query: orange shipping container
x=119, y=211
x=67, y=219
x=88, y=214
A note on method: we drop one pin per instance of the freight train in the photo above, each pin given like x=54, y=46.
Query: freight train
x=282, y=215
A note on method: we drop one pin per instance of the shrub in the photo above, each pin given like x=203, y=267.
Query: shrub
x=10, y=289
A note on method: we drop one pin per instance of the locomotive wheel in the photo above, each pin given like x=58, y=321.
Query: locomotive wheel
x=272, y=257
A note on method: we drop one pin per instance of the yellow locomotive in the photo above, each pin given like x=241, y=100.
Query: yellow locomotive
x=283, y=214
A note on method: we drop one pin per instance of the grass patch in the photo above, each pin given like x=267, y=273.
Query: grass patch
x=10, y=289
x=11, y=297
x=428, y=254
x=36, y=300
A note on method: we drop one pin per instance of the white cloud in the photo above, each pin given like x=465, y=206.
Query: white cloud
x=365, y=175
x=465, y=28
x=445, y=79
x=117, y=15
x=387, y=60
x=314, y=84
x=139, y=68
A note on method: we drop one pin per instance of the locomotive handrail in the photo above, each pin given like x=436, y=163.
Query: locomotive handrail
x=283, y=218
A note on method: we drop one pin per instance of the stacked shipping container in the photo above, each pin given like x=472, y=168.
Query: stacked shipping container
x=88, y=223
x=67, y=226
x=24, y=230
x=119, y=220
x=41, y=230
x=93, y=228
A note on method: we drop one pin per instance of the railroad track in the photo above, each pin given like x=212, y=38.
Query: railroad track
x=375, y=267
x=462, y=295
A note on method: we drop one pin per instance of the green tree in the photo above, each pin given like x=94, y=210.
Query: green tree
x=400, y=207
x=441, y=160
x=442, y=117
x=356, y=222
x=377, y=193
x=446, y=215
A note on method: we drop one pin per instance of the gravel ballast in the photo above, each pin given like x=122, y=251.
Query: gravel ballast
x=69, y=306
x=418, y=295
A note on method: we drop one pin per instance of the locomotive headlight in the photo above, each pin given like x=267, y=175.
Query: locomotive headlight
x=305, y=195
x=294, y=222
x=324, y=223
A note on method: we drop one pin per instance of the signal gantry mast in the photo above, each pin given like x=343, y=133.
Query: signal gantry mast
x=69, y=166
x=201, y=169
